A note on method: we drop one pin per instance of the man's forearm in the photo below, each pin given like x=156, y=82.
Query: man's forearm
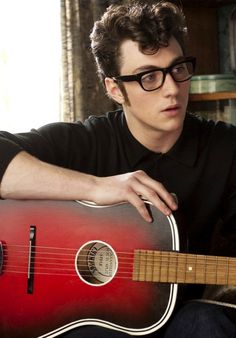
x=29, y=178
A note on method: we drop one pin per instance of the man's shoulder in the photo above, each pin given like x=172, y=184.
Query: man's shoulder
x=105, y=129
x=211, y=127
x=110, y=118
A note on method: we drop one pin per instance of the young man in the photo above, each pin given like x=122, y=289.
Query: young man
x=150, y=148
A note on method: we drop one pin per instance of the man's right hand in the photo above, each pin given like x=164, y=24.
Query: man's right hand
x=134, y=187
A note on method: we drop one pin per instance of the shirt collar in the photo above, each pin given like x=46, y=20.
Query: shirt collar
x=184, y=150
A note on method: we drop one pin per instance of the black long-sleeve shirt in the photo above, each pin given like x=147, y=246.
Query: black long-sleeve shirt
x=200, y=168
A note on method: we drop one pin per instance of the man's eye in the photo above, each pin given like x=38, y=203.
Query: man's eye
x=150, y=77
x=179, y=69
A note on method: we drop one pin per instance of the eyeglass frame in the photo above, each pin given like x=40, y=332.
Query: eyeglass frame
x=165, y=71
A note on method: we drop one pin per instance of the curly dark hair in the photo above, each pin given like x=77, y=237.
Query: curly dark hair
x=150, y=25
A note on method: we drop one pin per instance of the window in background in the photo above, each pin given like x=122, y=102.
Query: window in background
x=30, y=56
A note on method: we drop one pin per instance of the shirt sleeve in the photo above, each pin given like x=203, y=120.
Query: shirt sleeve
x=8, y=150
x=55, y=143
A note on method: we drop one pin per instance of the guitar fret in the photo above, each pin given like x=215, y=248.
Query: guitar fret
x=149, y=266
x=142, y=266
x=136, y=265
x=213, y=276
x=211, y=270
x=181, y=271
x=172, y=267
x=163, y=271
x=190, y=269
x=227, y=273
x=157, y=267
x=232, y=271
x=204, y=269
x=221, y=271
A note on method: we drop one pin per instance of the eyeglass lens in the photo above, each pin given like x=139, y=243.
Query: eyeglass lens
x=180, y=72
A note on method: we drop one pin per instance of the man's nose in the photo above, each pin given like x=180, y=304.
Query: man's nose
x=170, y=86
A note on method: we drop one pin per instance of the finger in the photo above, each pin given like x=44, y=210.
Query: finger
x=140, y=205
x=150, y=195
x=166, y=197
x=156, y=193
x=153, y=198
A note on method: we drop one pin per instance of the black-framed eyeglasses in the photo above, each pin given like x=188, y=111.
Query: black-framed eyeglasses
x=153, y=79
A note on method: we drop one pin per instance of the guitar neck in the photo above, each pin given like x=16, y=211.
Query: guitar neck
x=174, y=267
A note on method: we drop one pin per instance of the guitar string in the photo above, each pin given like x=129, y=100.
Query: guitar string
x=143, y=252
x=142, y=278
x=148, y=264
x=147, y=254
x=122, y=268
x=160, y=277
x=162, y=255
x=164, y=259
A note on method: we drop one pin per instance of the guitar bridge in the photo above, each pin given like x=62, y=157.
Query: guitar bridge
x=31, y=259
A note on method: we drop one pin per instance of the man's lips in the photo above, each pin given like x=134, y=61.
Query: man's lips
x=171, y=111
x=171, y=108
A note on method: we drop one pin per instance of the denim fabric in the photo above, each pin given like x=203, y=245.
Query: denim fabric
x=199, y=320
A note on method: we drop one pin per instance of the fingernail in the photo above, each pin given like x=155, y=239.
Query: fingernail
x=167, y=211
x=175, y=198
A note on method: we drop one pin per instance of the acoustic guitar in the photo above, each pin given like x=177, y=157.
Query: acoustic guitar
x=65, y=264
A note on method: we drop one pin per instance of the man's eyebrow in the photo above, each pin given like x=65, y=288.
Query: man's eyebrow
x=177, y=59
x=152, y=67
x=144, y=68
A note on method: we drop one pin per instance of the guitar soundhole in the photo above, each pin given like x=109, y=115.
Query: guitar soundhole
x=96, y=263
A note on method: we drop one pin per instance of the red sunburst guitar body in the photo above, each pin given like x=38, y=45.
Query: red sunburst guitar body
x=64, y=264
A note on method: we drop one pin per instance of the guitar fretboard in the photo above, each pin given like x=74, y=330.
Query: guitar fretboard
x=174, y=267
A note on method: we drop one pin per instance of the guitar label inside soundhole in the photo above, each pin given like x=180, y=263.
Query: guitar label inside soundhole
x=96, y=263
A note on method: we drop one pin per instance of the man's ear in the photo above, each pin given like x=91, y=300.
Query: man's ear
x=113, y=90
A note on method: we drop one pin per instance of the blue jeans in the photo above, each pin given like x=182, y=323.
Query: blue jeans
x=195, y=320
x=199, y=320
